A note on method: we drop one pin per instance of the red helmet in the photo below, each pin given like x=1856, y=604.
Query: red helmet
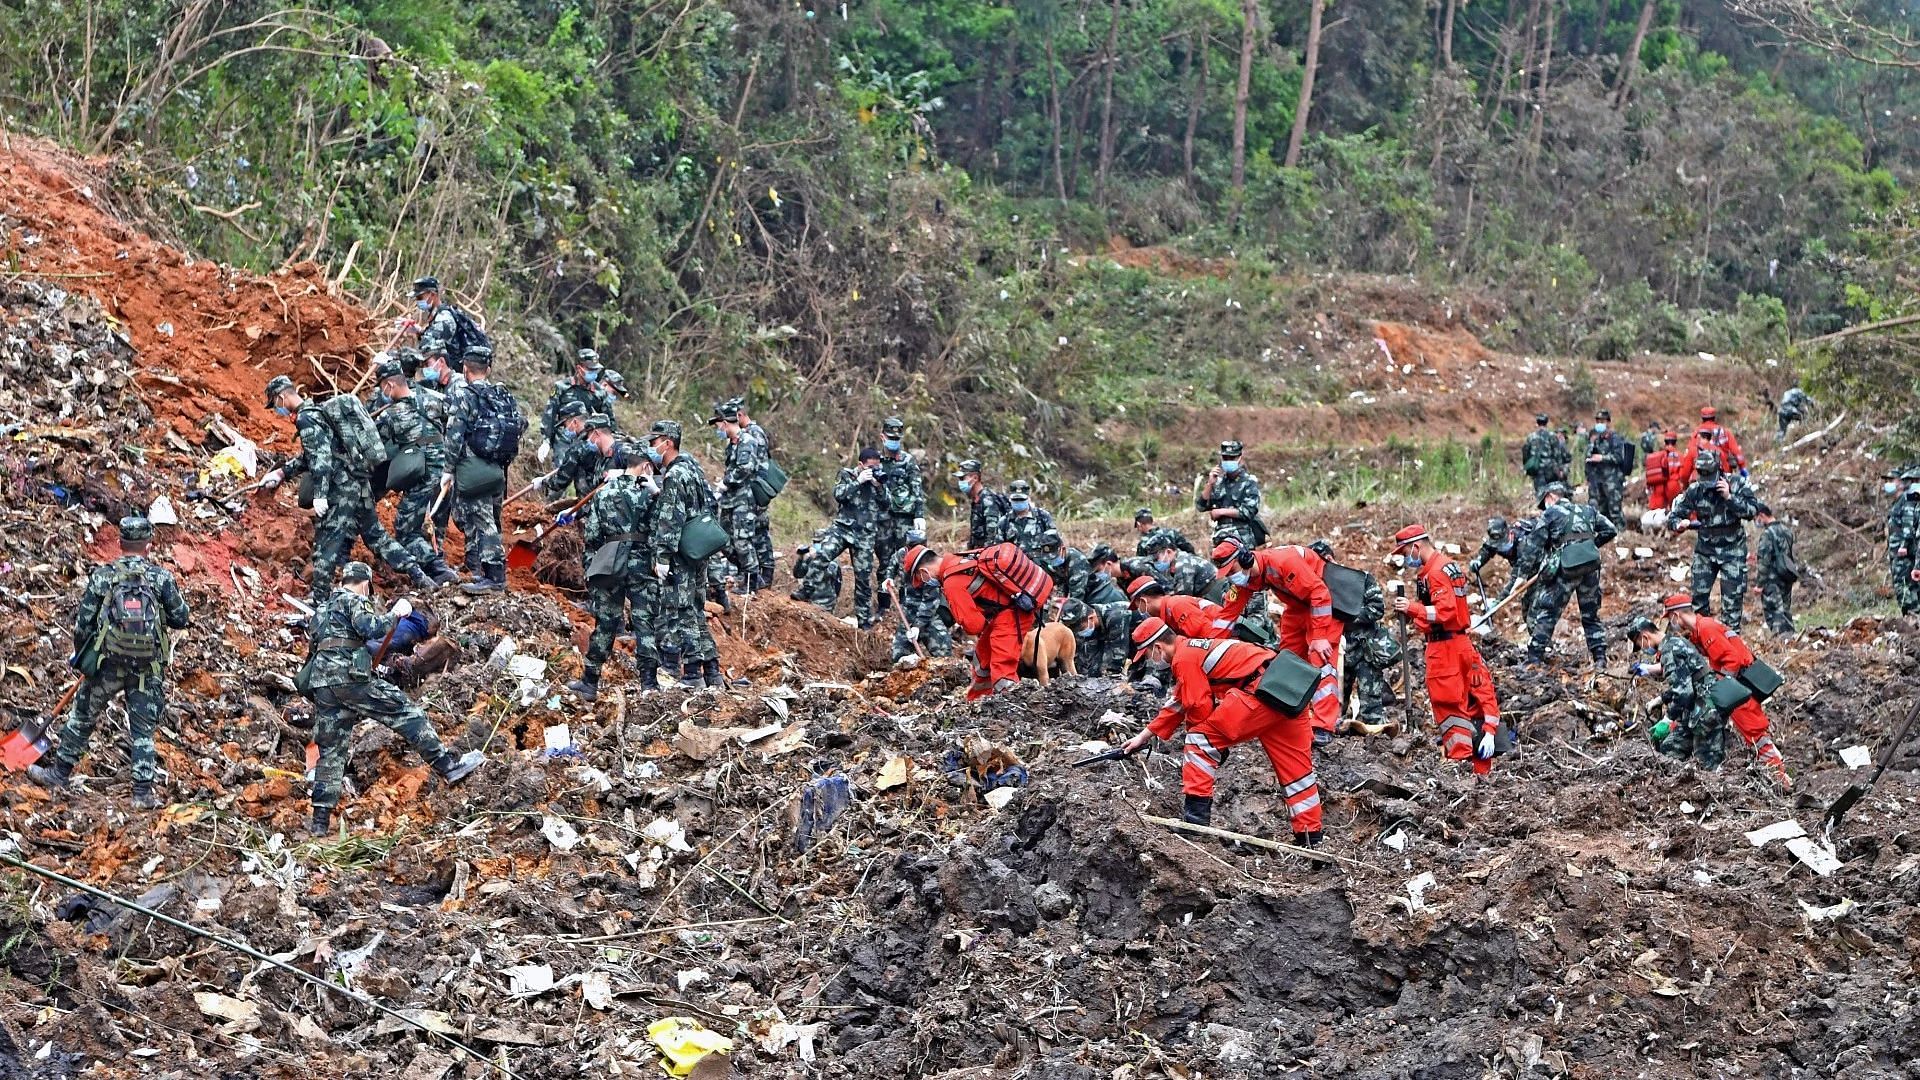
x=1707, y=412
x=914, y=556
x=1149, y=633
x=1408, y=536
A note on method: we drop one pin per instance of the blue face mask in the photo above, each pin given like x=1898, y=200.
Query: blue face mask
x=892, y=444
x=1239, y=577
x=423, y=305
x=1600, y=429
x=1890, y=487
x=592, y=376
x=720, y=433
x=1414, y=562
x=1102, y=575
x=1163, y=565
x=655, y=457
x=430, y=377
x=281, y=411
x=1085, y=633
x=1229, y=466
x=1019, y=502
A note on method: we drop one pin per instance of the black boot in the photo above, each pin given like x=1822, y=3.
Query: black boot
x=441, y=573
x=649, y=675
x=712, y=671
x=420, y=579
x=587, y=686
x=1307, y=839
x=53, y=777
x=144, y=798
x=455, y=769
x=693, y=673
x=321, y=824
x=1197, y=810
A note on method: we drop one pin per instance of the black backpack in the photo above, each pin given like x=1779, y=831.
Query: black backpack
x=494, y=428
x=467, y=334
x=130, y=623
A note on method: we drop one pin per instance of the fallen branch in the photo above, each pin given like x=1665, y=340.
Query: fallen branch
x=1812, y=436
x=1252, y=841
x=1863, y=328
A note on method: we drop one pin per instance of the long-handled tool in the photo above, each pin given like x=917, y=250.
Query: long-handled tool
x=1118, y=753
x=1519, y=588
x=524, y=552
x=1406, y=665
x=24, y=745
x=900, y=609
x=1856, y=792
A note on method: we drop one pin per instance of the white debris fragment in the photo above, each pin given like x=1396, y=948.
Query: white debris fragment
x=528, y=979
x=1856, y=757
x=1779, y=830
x=1820, y=858
x=1417, y=890
x=561, y=835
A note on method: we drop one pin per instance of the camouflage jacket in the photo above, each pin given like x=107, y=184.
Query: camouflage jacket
x=1616, y=457
x=437, y=336
x=1650, y=439
x=1719, y=516
x=1241, y=491
x=1072, y=576
x=1545, y=454
x=683, y=496
x=1688, y=677
x=906, y=492
x=1191, y=575
x=1562, y=524
x=746, y=456
x=89, y=618
x=581, y=466
x=403, y=423
x=621, y=510
x=1903, y=526
x=1775, y=555
x=321, y=454
x=338, y=634
x=986, y=518
x=1373, y=606
x=1026, y=530
x=595, y=396
x=1160, y=536
x=860, y=505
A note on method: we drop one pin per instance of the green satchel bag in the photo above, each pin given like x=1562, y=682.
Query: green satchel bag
x=702, y=538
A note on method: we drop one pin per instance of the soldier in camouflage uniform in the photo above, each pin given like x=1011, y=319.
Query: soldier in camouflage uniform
x=1693, y=726
x=821, y=579
x=928, y=621
x=987, y=509
x=121, y=646
x=1071, y=571
x=1565, y=522
x=405, y=422
x=1650, y=439
x=1154, y=537
x=1371, y=649
x=746, y=457
x=1903, y=542
x=855, y=528
x=1112, y=644
x=905, y=501
x=430, y=390
x=622, y=597
x=343, y=499
x=1502, y=541
x=763, y=541
x=1778, y=570
x=339, y=679
x=1186, y=574
x=585, y=388
x=578, y=463
x=1609, y=463
x=1544, y=456
x=681, y=634
x=1794, y=406
x=1026, y=524
x=1716, y=505
x=1230, y=498
x=478, y=516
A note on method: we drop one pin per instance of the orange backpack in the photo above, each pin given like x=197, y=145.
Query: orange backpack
x=1009, y=568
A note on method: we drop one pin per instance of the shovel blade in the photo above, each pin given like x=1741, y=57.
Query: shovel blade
x=522, y=554
x=1847, y=800
x=23, y=746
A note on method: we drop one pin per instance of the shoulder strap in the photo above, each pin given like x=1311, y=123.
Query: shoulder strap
x=1216, y=654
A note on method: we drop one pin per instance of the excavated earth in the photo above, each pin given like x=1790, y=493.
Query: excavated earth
x=807, y=864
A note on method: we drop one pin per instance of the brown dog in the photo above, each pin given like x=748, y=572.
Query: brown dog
x=1055, y=642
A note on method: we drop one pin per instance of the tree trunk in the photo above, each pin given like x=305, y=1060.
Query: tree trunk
x=1446, y=35
x=1316, y=9
x=1109, y=60
x=1250, y=19
x=1053, y=118
x=1631, y=62
x=1540, y=85
x=1194, y=107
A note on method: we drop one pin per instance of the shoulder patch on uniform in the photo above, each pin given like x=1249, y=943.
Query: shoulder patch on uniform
x=1452, y=570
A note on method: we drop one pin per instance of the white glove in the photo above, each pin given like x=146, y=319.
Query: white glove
x=401, y=608
x=272, y=479
x=320, y=506
x=913, y=633
x=660, y=570
x=920, y=526
x=865, y=476
x=652, y=485
x=545, y=451
x=1485, y=750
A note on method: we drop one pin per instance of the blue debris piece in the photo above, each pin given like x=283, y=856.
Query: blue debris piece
x=822, y=802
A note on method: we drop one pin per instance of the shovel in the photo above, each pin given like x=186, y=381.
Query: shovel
x=24, y=745
x=1856, y=792
x=523, y=552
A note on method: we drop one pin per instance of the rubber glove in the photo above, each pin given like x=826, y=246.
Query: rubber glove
x=272, y=479
x=545, y=451
x=401, y=608
x=1485, y=750
x=320, y=506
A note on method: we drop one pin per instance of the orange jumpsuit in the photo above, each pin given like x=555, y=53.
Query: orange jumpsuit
x=1293, y=575
x=1712, y=436
x=1727, y=655
x=986, y=611
x=1194, y=617
x=1663, y=475
x=1213, y=696
x=1458, y=682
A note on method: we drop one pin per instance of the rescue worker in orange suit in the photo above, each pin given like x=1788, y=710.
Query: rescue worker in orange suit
x=1711, y=436
x=980, y=607
x=1190, y=616
x=1458, y=683
x=1727, y=655
x=1307, y=626
x=1213, y=697
x=1663, y=473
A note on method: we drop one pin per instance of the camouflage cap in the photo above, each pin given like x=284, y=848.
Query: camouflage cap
x=478, y=356
x=389, y=369
x=1050, y=540
x=135, y=527
x=1102, y=552
x=1019, y=487
x=1143, y=515
x=356, y=571
x=1707, y=461
x=278, y=385
x=410, y=359
x=1232, y=449
x=665, y=429
x=599, y=422
x=425, y=285
x=1911, y=474
x=1322, y=549
x=868, y=453
x=1074, y=611
x=893, y=425
x=1540, y=418
x=571, y=409
x=588, y=359
x=1496, y=528
x=971, y=465
x=724, y=410
x=1638, y=625
x=737, y=403
x=1555, y=488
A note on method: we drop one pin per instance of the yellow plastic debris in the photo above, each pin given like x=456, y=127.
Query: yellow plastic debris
x=230, y=462
x=684, y=1043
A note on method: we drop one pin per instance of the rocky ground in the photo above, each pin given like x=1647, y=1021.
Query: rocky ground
x=810, y=865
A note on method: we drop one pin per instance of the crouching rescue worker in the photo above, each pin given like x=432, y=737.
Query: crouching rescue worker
x=338, y=679
x=1213, y=698
x=1728, y=656
x=1458, y=683
x=1293, y=574
x=997, y=595
x=1693, y=727
x=120, y=645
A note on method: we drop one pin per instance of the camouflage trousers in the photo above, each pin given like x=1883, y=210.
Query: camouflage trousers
x=889, y=541
x=1906, y=591
x=819, y=583
x=627, y=605
x=924, y=607
x=333, y=535
x=763, y=545
x=680, y=614
x=1729, y=564
x=1544, y=614
x=1605, y=493
x=337, y=709
x=1369, y=654
x=745, y=522
x=1700, y=734
x=824, y=567
x=410, y=519
x=146, y=692
x=1776, y=603
x=479, y=522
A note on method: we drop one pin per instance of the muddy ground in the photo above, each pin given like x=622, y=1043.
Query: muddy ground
x=809, y=865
